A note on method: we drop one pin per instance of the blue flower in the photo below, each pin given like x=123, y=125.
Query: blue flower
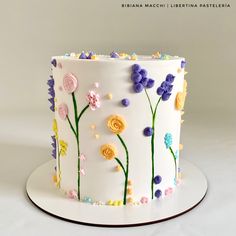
x=168, y=140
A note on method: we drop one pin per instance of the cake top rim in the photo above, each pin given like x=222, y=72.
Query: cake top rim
x=120, y=57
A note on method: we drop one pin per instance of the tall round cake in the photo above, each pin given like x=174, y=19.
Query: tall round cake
x=116, y=131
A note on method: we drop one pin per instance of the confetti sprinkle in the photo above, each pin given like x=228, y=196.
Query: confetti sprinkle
x=179, y=70
x=97, y=136
x=118, y=168
x=185, y=73
x=144, y=200
x=110, y=202
x=93, y=126
x=129, y=182
x=181, y=146
x=130, y=200
x=129, y=191
x=109, y=96
x=96, y=85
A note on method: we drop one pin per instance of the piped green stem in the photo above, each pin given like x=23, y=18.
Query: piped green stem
x=174, y=157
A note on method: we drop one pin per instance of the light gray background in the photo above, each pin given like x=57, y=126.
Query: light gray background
x=33, y=31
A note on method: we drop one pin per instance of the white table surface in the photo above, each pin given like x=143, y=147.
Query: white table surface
x=209, y=143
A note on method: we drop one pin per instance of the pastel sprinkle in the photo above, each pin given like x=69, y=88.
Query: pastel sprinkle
x=185, y=73
x=182, y=121
x=144, y=200
x=116, y=203
x=54, y=178
x=82, y=157
x=109, y=96
x=93, y=57
x=93, y=126
x=118, y=168
x=110, y=202
x=120, y=203
x=87, y=199
x=181, y=146
x=60, y=65
x=179, y=70
x=96, y=85
x=97, y=136
x=134, y=57
x=129, y=182
x=82, y=171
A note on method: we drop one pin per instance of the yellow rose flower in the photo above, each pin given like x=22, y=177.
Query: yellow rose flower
x=180, y=97
x=116, y=124
x=108, y=151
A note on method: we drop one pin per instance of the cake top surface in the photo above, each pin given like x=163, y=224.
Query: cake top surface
x=115, y=56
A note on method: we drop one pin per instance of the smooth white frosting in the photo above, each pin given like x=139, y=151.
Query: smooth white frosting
x=101, y=182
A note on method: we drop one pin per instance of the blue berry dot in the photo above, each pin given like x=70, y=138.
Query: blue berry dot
x=138, y=88
x=136, y=77
x=136, y=68
x=125, y=102
x=157, y=179
x=143, y=72
x=148, y=131
x=150, y=83
x=158, y=193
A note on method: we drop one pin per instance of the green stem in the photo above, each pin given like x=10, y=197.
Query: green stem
x=120, y=163
x=171, y=150
x=153, y=145
x=82, y=112
x=149, y=101
x=127, y=168
x=71, y=126
x=59, y=164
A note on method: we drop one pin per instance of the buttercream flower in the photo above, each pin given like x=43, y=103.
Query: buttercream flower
x=116, y=124
x=166, y=87
x=108, y=151
x=180, y=100
x=63, y=147
x=70, y=83
x=72, y=194
x=144, y=200
x=63, y=111
x=94, y=100
x=168, y=140
x=168, y=191
x=54, y=127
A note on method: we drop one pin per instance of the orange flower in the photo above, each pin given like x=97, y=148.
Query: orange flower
x=108, y=151
x=116, y=124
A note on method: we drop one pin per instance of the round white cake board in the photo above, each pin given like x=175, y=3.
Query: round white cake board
x=43, y=193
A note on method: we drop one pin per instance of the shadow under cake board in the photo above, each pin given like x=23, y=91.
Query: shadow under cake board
x=44, y=195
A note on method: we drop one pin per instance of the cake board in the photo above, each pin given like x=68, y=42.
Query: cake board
x=43, y=194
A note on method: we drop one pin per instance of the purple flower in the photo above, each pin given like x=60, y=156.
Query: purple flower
x=125, y=102
x=54, y=62
x=138, y=88
x=54, y=147
x=143, y=72
x=83, y=55
x=114, y=55
x=136, y=68
x=148, y=131
x=157, y=179
x=183, y=63
x=170, y=78
x=160, y=90
x=136, y=77
x=150, y=83
x=51, y=92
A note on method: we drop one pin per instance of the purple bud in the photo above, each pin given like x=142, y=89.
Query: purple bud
x=52, y=108
x=157, y=179
x=143, y=72
x=52, y=93
x=114, y=55
x=165, y=96
x=148, y=131
x=51, y=100
x=136, y=77
x=144, y=81
x=160, y=91
x=54, y=62
x=158, y=193
x=82, y=56
x=50, y=82
x=150, y=83
x=138, y=88
x=125, y=102
x=170, y=78
x=183, y=63
x=54, y=153
x=136, y=68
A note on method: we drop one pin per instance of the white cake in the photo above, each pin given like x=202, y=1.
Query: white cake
x=110, y=145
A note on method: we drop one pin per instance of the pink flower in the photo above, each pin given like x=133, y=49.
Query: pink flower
x=94, y=100
x=63, y=111
x=72, y=194
x=144, y=200
x=70, y=83
x=168, y=191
